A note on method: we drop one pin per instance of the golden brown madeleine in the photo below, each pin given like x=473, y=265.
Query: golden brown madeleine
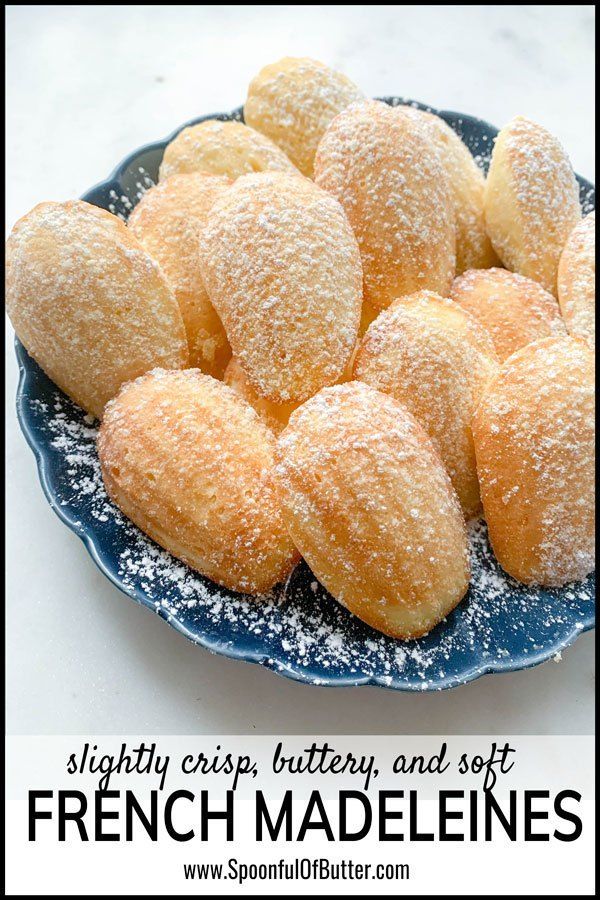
x=88, y=302
x=467, y=182
x=275, y=415
x=191, y=464
x=577, y=281
x=168, y=220
x=222, y=148
x=282, y=268
x=514, y=309
x=293, y=101
x=436, y=360
x=370, y=507
x=534, y=439
x=531, y=200
x=387, y=175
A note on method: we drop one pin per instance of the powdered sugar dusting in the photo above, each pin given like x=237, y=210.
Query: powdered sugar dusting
x=534, y=433
x=577, y=281
x=514, y=309
x=282, y=268
x=88, y=302
x=293, y=101
x=532, y=200
x=298, y=629
x=425, y=347
x=222, y=148
x=473, y=246
x=380, y=164
x=121, y=204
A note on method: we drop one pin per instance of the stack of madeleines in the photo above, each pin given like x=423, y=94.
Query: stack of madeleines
x=325, y=334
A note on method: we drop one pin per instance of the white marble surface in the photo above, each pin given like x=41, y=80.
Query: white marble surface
x=87, y=85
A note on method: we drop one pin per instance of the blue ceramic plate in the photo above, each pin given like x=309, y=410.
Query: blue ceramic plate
x=298, y=631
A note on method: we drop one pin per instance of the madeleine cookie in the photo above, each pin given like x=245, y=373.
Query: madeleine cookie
x=435, y=359
x=88, y=302
x=531, y=200
x=382, y=167
x=534, y=439
x=275, y=415
x=222, y=148
x=191, y=464
x=577, y=281
x=293, y=101
x=369, y=506
x=168, y=220
x=467, y=182
x=282, y=268
x=514, y=309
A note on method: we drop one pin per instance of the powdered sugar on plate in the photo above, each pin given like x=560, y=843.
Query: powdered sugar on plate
x=297, y=630
x=120, y=204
